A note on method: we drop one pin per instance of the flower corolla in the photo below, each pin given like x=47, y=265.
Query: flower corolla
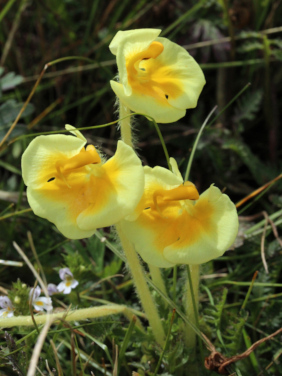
x=40, y=303
x=73, y=187
x=156, y=76
x=7, y=307
x=52, y=289
x=68, y=282
x=173, y=224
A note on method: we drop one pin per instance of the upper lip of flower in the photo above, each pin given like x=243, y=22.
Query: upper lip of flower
x=164, y=198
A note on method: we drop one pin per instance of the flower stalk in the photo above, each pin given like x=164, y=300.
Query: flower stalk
x=77, y=315
x=191, y=303
x=142, y=288
x=157, y=278
x=125, y=124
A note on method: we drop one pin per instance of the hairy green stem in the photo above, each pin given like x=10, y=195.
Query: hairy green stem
x=124, y=123
x=142, y=288
x=157, y=278
x=191, y=302
x=77, y=315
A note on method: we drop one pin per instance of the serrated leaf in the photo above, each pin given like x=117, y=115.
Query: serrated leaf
x=250, y=46
x=113, y=268
x=248, y=106
x=260, y=172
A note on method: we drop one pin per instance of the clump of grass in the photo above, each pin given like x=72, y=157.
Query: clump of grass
x=235, y=309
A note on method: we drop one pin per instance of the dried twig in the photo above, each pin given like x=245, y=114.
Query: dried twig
x=218, y=362
x=262, y=242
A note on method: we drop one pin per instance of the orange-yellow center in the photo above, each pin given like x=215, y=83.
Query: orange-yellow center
x=186, y=191
x=152, y=52
x=83, y=158
x=149, y=76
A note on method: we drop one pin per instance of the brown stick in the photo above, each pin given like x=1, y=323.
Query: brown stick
x=218, y=362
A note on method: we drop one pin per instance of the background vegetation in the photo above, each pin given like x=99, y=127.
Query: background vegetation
x=236, y=42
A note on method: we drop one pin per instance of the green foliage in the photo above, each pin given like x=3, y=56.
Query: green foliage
x=234, y=152
x=77, y=265
x=10, y=109
x=19, y=296
x=9, y=81
x=248, y=107
x=259, y=171
x=14, y=355
x=233, y=336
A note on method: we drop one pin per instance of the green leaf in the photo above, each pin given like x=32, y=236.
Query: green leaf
x=96, y=249
x=261, y=173
x=248, y=106
x=10, y=110
x=10, y=81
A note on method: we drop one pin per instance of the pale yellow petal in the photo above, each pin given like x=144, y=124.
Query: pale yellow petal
x=207, y=231
x=155, y=178
x=60, y=212
x=75, y=132
x=175, y=168
x=161, y=112
x=119, y=188
x=178, y=67
x=144, y=241
x=128, y=43
x=41, y=155
x=141, y=37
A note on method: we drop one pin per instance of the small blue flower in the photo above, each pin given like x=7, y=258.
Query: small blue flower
x=7, y=307
x=40, y=303
x=68, y=283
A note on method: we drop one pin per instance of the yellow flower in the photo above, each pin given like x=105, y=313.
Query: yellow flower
x=172, y=224
x=156, y=76
x=72, y=187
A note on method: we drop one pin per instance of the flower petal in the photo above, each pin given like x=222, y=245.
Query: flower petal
x=157, y=77
x=39, y=159
x=143, y=37
x=75, y=132
x=161, y=112
x=34, y=293
x=128, y=43
x=155, y=178
x=5, y=302
x=65, y=271
x=175, y=168
x=52, y=289
x=117, y=192
x=144, y=235
x=42, y=303
x=177, y=66
x=207, y=232
x=74, y=283
x=61, y=209
x=62, y=287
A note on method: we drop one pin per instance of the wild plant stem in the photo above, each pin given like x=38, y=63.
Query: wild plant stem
x=157, y=278
x=125, y=126
x=191, y=303
x=142, y=288
x=76, y=315
x=132, y=258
